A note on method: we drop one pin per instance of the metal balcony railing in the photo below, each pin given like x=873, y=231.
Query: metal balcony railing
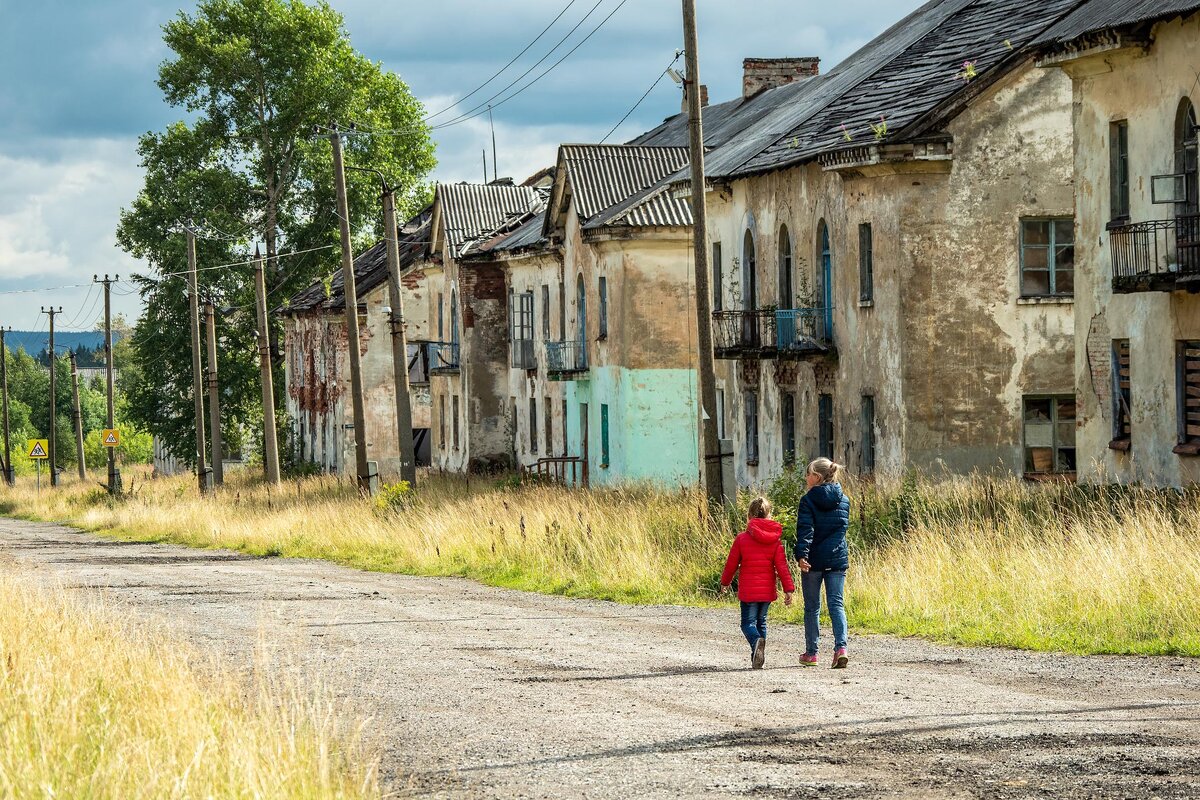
x=443, y=357
x=770, y=333
x=1152, y=256
x=564, y=357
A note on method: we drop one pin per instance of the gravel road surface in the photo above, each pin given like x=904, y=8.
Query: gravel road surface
x=482, y=692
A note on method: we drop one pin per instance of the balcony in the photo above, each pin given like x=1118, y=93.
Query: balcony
x=522, y=354
x=443, y=358
x=787, y=334
x=1157, y=256
x=565, y=360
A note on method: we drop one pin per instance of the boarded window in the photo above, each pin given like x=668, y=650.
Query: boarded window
x=1049, y=425
x=825, y=425
x=717, y=269
x=1188, y=377
x=1047, y=257
x=866, y=263
x=751, y=427
x=604, y=462
x=1121, y=395
x=1118, y=149
x=868, y=434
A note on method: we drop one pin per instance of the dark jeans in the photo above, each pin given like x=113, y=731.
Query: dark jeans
x=835, y=585
x=754, y=621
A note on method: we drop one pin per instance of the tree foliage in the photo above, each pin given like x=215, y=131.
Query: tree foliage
x=255, y=78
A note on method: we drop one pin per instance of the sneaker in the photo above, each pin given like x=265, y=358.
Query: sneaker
x=840, y=659
x=760, y=653
x=808, y=661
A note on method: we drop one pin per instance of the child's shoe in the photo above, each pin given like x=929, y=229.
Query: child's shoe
x=760, y=653
x=808, y=661
x=840, y=659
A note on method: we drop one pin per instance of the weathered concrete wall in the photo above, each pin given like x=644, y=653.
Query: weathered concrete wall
x=1146, y=89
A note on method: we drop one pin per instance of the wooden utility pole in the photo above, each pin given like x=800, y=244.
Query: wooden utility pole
x=9, y=475
x=114, y=475
x=270, y=440
x=202, y=473
x=710, y=452
x=404, y=430
x=77, y=418
x=53, y=404
x=350, y=291
x=214, y=397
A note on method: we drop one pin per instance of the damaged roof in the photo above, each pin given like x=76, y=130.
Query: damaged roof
x=1101, y=15
x=471, y=210
x=621, y=184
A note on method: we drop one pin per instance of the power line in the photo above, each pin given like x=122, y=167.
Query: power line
x=642, y=99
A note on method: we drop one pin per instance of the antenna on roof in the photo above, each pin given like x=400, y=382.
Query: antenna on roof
x=485, y=166
x=492, y=122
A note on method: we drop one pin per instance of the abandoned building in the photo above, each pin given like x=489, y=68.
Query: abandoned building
x=1135, y=69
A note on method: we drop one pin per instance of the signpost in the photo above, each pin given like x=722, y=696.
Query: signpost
x=39, y=451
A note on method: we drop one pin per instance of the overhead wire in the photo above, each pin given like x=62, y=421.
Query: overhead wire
x=642, y=99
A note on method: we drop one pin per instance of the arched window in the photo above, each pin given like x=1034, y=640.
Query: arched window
x=749, y=274
x=1186, y=158
x=825, y=281
x=785, y=268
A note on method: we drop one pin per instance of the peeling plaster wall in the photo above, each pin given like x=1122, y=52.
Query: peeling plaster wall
x=1144, y=88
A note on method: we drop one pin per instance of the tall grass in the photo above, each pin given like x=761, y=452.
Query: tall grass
x=976, y=561
x=94, y=705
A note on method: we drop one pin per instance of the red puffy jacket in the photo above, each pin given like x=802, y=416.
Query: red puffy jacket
x=758, y=552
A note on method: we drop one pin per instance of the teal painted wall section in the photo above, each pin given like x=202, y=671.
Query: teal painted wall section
x=651, y=420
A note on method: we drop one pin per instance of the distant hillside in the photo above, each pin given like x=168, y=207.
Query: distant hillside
x=34, y=342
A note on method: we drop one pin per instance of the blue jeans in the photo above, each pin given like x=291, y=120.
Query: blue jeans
x=754, y=621
x=835, y=586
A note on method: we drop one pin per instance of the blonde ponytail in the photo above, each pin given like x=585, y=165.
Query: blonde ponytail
x=828, y=471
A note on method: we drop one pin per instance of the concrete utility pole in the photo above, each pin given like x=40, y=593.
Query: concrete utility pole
x=352, y=342
x=710, y=452
x=9, y=475
x=404, y=430
x=77, y=418
x=202, y=472
x=53, y=404
x=270, y=440
x=114, y=475
x=214, y=397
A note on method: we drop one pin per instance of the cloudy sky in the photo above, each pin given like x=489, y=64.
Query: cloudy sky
x=78, y=88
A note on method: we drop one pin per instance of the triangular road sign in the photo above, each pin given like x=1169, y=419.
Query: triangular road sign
x=111, y=437
x=38, y=448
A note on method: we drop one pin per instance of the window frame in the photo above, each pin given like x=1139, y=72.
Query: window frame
x=533, y=426
x=825, y=428
x=602, y=303
x=868, y=433
x=787, y=418
x=454, y=424
x=750, y=403
x=546, y=311
x=785, y=260
x=866, y=263
x=548, y=421
x=1122, y=396
x=1118, y=176
x=1055, y=401
x=717, y=269
x=1187, y=391
x=605, y=453
x=1051, y=247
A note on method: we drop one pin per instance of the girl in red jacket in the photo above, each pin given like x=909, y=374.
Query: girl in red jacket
x=758, y=557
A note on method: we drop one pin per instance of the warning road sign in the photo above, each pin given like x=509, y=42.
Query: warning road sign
x=39, y=448
x=111, y=437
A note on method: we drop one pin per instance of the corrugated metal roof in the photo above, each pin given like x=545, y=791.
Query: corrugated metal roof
x=471, y=210
x=1099, y=15
x=616, y=184
x=653, y=207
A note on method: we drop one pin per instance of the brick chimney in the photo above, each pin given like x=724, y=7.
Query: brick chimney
x=767, y=73
x=703, y=98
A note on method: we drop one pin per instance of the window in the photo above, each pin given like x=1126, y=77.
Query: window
x=1118, y=176
x=512, y=315
x=533, y=425
x=787, y=412
x=866, y=264
x=1121, y=397
x=442, y=421
x=603, y=307
x=868, y=434
x=562, y=311
x=545, y=311
x=523, y=355
x=440, y=317
x=751, y=428
x=825, y=425
x=454, y=321
x=1049, y=435
x=418, y=364
x=604, y=462
x=580, y=311
x=1187, y=369
x=548, y=415
x=825, y=283
x=717, y=292
x=720, y=413
x=565, y=425
x=454, y=420
x=1047, y=257
x=785, y=268
x=749, y=274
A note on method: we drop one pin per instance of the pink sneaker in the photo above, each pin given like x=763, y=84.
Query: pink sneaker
x=808, y=661
x=840, y=659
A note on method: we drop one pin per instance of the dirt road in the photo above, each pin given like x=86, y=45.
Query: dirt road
x=483, y=692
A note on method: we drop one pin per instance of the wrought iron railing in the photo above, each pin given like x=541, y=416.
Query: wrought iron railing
x=569, y=356
x=770, y=332
x=523, y=354
x=443, y=357
x=1156, y=249
x=743, y=331
x=565, y=470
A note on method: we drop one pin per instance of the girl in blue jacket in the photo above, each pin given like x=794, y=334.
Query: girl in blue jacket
x=821, y=551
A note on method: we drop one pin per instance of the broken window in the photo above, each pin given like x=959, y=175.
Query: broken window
x=751, y=427
x=868, y=434
x=787, y=413
x=1049, y=425
x=1121, y=395
x=866, y=264
x=1187, y=370
x=1047, y=257
x=825, y=426
x=1118, y=177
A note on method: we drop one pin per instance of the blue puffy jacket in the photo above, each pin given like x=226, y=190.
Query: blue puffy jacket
x=822, y=520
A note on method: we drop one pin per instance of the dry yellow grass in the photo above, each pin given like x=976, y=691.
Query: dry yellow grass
x=93, y=705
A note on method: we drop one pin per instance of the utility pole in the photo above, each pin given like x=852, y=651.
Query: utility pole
x=9, y=475
x=404, y=431
x=114, y=475
x=53, y=404
x=202, y=472
x=710, y=452
x=270, y=440
x=78, y=418
x=352, y=342
x=214, y=396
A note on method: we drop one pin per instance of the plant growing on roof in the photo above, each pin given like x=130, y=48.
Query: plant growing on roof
x=1008, y=44
x=846, y=133
x=880, y=129
x=968, y=71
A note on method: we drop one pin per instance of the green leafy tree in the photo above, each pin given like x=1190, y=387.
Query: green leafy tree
x=256, y=78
